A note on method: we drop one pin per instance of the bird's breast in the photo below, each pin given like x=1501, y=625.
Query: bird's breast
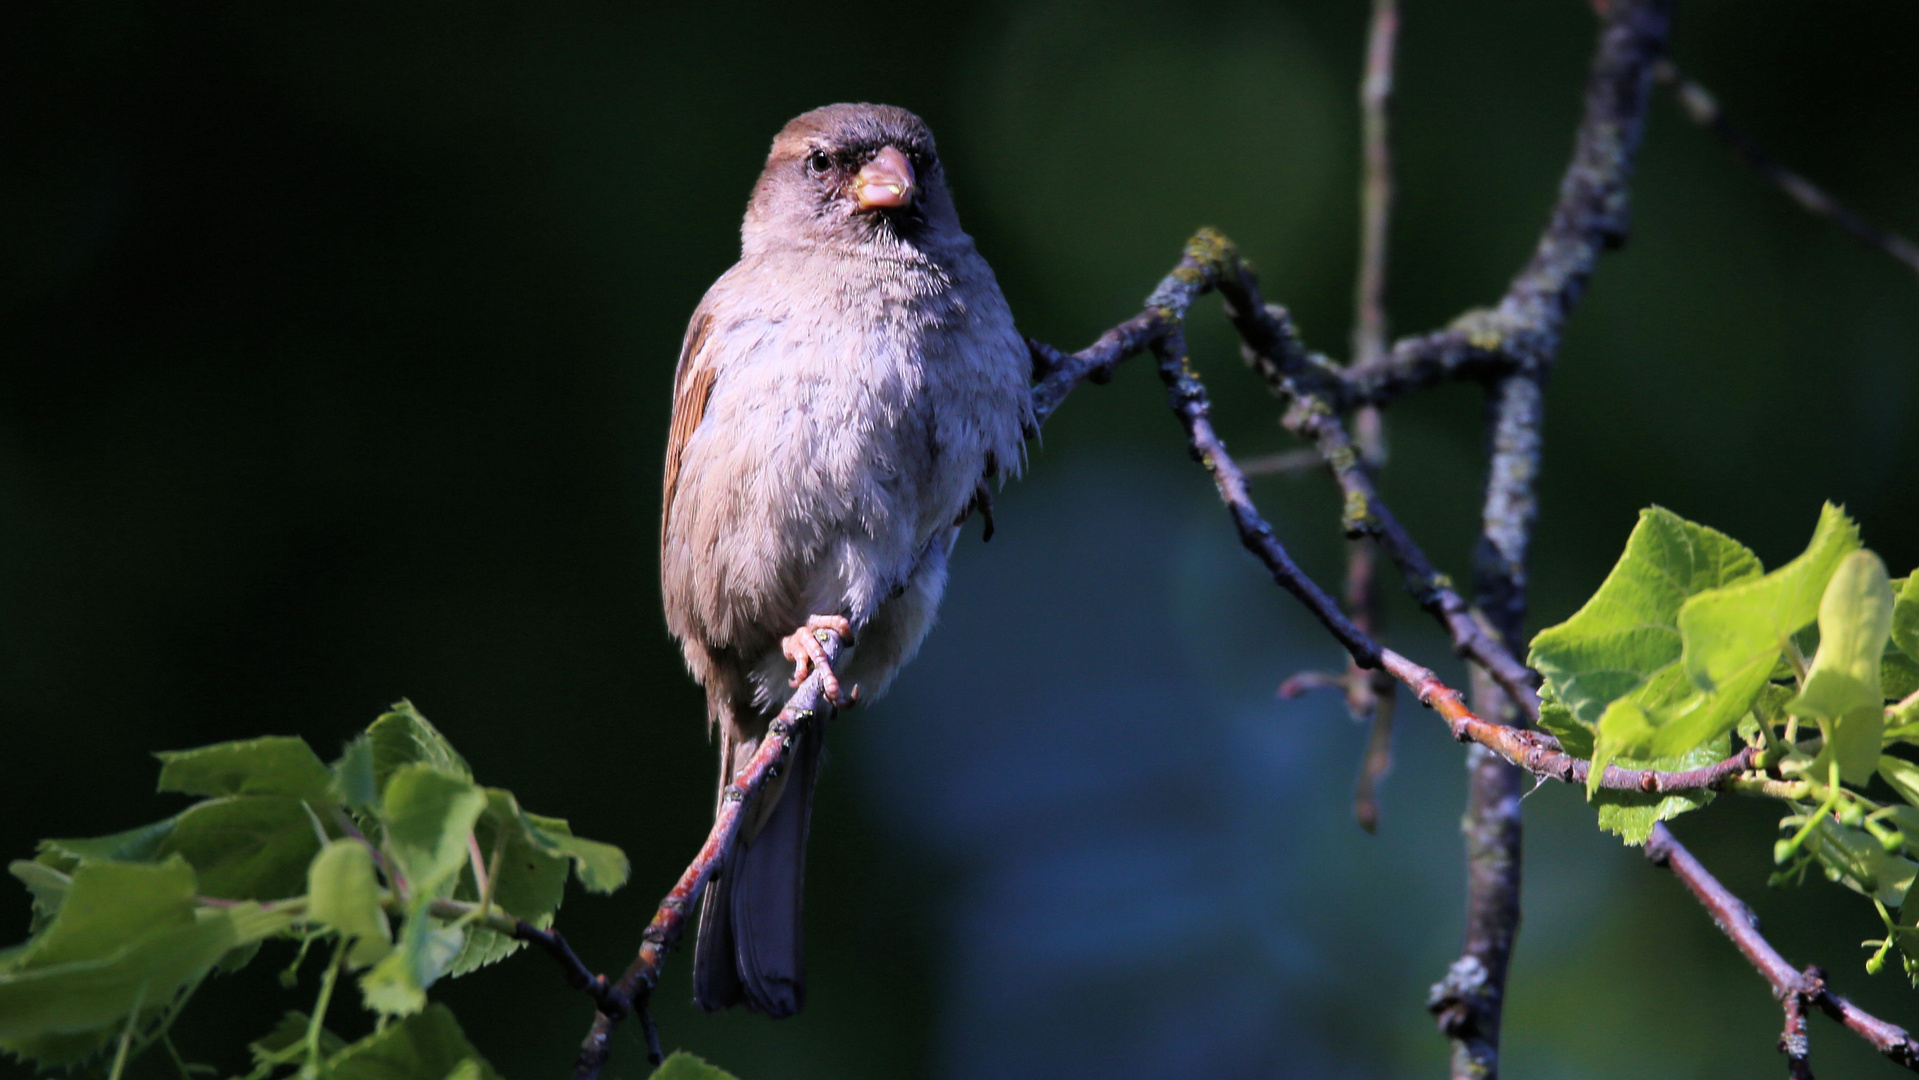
x=845, y=429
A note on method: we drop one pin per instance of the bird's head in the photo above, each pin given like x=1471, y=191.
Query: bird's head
x=851, y=175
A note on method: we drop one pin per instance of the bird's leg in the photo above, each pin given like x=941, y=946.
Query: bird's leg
x=807, y=653
x=983, y=502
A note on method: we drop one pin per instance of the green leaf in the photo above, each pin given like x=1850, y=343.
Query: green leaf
x=274, y=765
x=1843, y=687
x=1855, y=622
x=397, y=985
x=403, y=737
x=429, y=815
x=344, y=894
x=1574, y=737
x=680, y=1065
x=1906, y=820
x=1905, y=616
x=289, y=1033
x=48, y=886
x=1668, y=718
x=426, y=1046
x=110, y=904
x=1902, y=776
x=602, y=868
x=1628, y=630
x=1631, y=814
x=530, y=884
x=1855, y=742
x=1729, y=630
x=1898, y=675
x=1732, y=638
x=238, y=958
x=135, y=845
x=1856, y=860
x=128, y=933
x=355, y=784
x=247, y=847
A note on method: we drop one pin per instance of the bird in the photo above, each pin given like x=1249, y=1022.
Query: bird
x=845, y=396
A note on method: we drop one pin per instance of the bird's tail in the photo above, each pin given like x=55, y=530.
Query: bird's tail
x=749, y=946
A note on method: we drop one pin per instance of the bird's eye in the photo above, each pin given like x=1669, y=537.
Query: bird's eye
x=818, y=162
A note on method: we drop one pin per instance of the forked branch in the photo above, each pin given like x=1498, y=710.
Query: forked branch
x=634, y=989
x=1794, y=989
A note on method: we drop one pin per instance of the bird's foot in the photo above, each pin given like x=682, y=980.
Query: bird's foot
x=804, y=649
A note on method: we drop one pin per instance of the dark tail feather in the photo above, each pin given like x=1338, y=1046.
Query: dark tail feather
x=750, y=949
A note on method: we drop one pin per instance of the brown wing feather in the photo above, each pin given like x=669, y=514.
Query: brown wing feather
x=692, y=385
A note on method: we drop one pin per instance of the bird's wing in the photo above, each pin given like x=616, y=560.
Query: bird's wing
x=692, y=385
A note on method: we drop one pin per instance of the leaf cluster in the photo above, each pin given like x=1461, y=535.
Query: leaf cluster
x=392, y=859
x=1690, y=643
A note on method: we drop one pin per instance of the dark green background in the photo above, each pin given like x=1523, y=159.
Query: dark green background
x=334, y=350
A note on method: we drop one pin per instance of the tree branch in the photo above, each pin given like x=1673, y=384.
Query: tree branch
x=1454, y=354
x=1590, y=216
x=1369, y=694
x=1211, y=262
x=1703, y=109
x=1376, y=185
x=1540, y=754
x=1793, y=989
x=1469, y=1002
x=1189, y=402
x=1272, y=347
x=635, y=987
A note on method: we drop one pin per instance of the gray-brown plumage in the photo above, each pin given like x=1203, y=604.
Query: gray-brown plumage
x=842, y=394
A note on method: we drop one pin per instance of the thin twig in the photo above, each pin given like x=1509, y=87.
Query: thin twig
x=1189, y=402
x=1369, y=693
x=1793, y=1041
x=1210, y=262
x=635, y=987
x=1365, y=690
x=1376, y=185
x=1300, y=683
x=1272, y=346
x=1703, y=109
x=1379, y=755
x=1283, y=463
x=572, y=969
x=1737, y=922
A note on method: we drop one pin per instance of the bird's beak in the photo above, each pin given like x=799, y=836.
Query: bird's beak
x=886, y=182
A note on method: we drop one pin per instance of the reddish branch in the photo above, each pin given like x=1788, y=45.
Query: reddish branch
x=1539, y=753
x=634, y=988
x=1210, y=262
x=1793, y=989
x=1536, y=752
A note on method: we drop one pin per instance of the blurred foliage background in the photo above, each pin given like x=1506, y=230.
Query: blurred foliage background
x=335, y=342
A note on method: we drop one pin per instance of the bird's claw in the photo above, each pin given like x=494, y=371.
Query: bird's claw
x=803, y=647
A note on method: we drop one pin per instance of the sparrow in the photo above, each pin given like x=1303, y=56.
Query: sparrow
x=843, y=395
